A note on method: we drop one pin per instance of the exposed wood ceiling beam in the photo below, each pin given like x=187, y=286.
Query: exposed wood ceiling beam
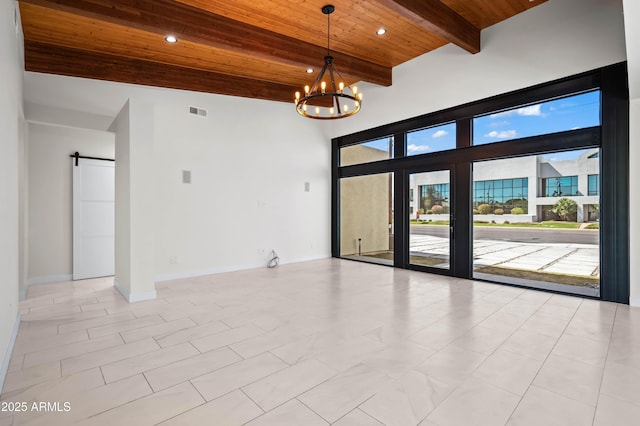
x=193, y=24
x=440, y=19
x=46, y=58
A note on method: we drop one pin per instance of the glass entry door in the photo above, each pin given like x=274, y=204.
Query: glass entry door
x=430, y=224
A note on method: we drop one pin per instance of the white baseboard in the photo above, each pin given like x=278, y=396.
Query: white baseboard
x=230, y=268
x=208, y=271
x=634, y=301
x=303, y=259
x=44, y=279
x=140, y=297
x=134, y=297
x=47, y=279
x=7, y=357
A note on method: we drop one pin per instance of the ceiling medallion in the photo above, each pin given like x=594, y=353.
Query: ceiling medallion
x=325, y=100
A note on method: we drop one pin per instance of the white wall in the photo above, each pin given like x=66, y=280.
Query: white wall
x=23, y=208
x=632, y=31
x=135, y=207
x=634, y=200
x=50, y=195
x=122, y=202
x=249, y=161
x=11, y=117
x=36, y=113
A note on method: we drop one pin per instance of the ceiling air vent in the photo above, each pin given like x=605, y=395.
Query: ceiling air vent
x=197, y=111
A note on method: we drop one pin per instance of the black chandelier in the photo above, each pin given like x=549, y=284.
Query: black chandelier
x=326, y=100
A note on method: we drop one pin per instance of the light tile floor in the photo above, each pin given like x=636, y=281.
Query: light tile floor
x=323, y=342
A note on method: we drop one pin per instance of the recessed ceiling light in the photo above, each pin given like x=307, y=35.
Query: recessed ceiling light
x=381, y=31
x=309, y=70
x=171, y=39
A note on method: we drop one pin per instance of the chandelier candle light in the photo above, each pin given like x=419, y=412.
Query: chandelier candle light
x=326, y=100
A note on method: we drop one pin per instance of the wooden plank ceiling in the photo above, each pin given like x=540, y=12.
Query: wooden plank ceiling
x=250, y=48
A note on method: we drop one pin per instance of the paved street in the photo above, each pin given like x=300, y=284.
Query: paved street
x=525, y=235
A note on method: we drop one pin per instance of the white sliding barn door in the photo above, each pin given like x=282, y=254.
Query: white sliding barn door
x=93, y=218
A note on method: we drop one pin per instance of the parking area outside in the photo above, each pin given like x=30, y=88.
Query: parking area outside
x=548, y=265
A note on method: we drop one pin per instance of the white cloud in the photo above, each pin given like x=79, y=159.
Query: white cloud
x=533, y=110
x=417, y=148
x=530, y=110
x=499, y=123
x=502, y=114
x=505, y=134
x=439, y=134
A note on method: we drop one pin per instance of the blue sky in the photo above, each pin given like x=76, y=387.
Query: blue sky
x=574, y=112
x=570, y=113
x=433, y=139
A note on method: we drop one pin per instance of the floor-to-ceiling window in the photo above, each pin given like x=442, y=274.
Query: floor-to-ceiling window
x=537, y=235
x=366, y=218
x=528, y=188
x=366, y=204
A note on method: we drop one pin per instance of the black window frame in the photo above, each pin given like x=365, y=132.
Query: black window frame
x=611, y=137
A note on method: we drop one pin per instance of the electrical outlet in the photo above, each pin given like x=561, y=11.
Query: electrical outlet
x=173, y=260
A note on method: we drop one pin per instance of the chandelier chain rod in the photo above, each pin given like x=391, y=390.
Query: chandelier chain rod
x=328, y=34
x=316, y=83
x=335, y=89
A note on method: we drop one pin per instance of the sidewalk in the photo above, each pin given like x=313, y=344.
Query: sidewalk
x=573, y=259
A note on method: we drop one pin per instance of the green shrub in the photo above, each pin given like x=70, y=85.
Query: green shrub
x=484, y=208
x=517, y=210
x=498, y=211
x=493, y=222
x=437, y=209
x=429, y=211
x=476, y=211
x=420, y=211
x=506, y=222
x=480, y=221
x=565, y=208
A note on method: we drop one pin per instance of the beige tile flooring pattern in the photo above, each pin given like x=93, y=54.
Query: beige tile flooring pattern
x=323, y=342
